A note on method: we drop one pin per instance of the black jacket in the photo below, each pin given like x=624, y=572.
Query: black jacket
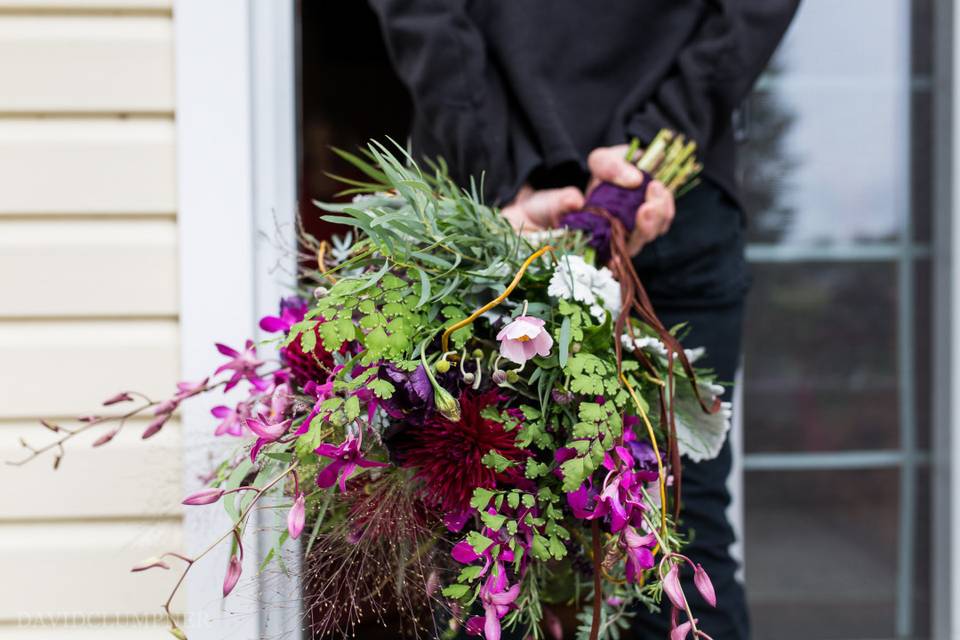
x=523, y=90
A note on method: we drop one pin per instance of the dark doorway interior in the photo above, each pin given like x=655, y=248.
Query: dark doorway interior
x=349, y=95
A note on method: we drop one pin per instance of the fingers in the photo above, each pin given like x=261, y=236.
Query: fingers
x=537, y=210
x=609, y=164
x=654, y=217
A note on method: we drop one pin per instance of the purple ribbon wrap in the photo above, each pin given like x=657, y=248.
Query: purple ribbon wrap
x=620, y=202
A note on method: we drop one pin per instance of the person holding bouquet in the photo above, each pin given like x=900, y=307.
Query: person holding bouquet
x=541, y=97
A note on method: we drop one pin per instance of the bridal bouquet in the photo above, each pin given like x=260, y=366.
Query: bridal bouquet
x=470, y=425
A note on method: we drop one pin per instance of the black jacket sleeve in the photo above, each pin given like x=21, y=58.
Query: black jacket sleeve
x=715, y=71
x=440, y=55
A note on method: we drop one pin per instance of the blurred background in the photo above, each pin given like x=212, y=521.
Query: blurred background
x=118, y=161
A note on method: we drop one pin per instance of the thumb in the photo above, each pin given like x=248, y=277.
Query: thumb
x=608, y=164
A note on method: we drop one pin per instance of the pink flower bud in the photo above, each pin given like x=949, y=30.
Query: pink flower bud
x=166, y=407
x=671, y=587
x=680, y=632
x=154, y=427
x=233, y=575
x=123, y=396
x=704, y=585
x=150, y=563
x=296, y=517
x=207, y=496
x=105, y=438
x=50, y=425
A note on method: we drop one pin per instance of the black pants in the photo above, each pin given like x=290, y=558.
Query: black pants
x=696, y=274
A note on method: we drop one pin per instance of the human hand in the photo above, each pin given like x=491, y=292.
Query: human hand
x=655, y=215
x=535, y=210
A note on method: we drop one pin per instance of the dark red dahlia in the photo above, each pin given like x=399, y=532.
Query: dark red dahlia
x=446, y=456
x=305, y=367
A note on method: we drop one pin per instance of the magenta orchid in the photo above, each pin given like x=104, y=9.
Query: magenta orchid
x=497, y=598
x=523, y=339
x=232, y=421
x=244, y=365
x=344, y=461
x=292, y=311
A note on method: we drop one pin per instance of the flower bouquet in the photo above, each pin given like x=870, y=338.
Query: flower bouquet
x=471, y=426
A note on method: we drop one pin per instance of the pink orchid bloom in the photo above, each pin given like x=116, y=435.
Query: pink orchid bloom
x=231, y=420
x=186, y=389
x=680, y=632
x=266, y=432
x=292, y=311
x=204, y=496
x=639, y=556
x=497, y=600
x=524, y=338
x=344, y=460
x=243, y=364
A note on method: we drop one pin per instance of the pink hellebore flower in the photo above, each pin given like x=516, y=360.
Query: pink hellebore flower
x=297, y=517
x=524, y=338
x=344, y=460
x=243, y=364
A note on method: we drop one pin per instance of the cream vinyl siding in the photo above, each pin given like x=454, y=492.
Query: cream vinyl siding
x=88, y=306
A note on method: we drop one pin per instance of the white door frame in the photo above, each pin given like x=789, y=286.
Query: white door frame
x=236, y=171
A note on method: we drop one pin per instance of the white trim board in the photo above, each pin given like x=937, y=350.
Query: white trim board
x=236, y=177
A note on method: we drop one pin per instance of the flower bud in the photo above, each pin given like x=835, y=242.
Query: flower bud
x=150, y=563
x=233, y=575
x=575, y=347
x=207, y=496
x=469, y=377
x=297, y=517
x=477, y=354
x=105, y=438
x=446, y=404
x=154, y=427
x=499, y=376
x=120, y=397
x=166, y=407
x=320, y=292
x=672, y=588
x=680, y=632
x=512, y=376
x=442, y=366
x=704, y=585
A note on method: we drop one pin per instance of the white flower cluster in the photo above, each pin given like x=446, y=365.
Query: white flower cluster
x=575, y=279
x=656, y=347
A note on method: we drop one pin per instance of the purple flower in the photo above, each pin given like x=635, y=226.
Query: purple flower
x=292, y=311
x=412, y=399
x=523, y=339
x=243, y=364
x=344, y=460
